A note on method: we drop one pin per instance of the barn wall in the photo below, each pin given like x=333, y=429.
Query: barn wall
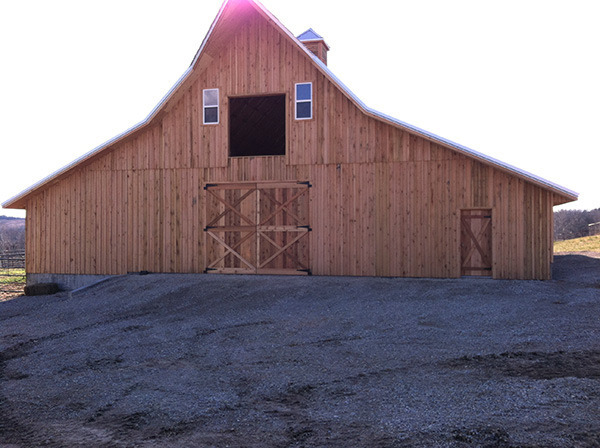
x=384, y=202
x=388, y=219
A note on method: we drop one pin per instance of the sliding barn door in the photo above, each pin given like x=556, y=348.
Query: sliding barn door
x=476, y=242
x=257, y=228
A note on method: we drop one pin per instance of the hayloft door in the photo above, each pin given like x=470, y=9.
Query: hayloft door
x=476, y=242
x=257, y=228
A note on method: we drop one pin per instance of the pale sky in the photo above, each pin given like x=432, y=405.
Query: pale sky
x=518, y=80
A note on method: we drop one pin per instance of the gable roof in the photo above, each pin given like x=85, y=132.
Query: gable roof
x=18, y=200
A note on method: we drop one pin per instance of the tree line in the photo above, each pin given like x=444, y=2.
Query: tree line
x=569, y=224
x=12, y=234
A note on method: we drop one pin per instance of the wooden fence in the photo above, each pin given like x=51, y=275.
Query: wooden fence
x=12, y=260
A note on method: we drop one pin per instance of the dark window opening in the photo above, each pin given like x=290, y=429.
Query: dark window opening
x=211, y=115
x=257, y=126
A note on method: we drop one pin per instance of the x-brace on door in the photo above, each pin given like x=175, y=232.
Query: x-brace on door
x=257, y=228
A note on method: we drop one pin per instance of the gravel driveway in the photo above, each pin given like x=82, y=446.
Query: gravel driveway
x=240, y=361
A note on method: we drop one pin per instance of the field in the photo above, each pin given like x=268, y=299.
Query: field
x=585, y=244
x=245, y=361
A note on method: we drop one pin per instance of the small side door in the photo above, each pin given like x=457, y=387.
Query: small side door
x=476, y=242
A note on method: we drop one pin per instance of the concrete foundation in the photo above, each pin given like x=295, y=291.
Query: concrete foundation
x=66, y=282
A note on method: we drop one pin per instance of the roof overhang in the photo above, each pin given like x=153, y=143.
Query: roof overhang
x=565, y=195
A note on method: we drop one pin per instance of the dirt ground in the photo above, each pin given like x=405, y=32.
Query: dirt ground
x=10, y=291
x=213, y=361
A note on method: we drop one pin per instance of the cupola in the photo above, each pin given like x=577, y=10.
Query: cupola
x=315, y=43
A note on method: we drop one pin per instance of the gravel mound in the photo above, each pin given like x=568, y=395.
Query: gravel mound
x=239, y=361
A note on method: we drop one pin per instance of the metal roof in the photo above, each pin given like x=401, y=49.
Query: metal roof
x=445, y=141
x=325, y=69
x=309, y=34
x=129, y=131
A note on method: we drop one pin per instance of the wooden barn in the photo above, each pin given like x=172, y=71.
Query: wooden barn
x=260, y=161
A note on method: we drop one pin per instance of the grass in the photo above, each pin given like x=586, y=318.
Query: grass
x=12, y=282
x=12, y=276
x=585, y=244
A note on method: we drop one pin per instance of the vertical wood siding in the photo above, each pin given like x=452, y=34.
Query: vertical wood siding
x=384, y=202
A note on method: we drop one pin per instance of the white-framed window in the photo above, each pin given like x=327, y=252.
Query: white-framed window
x=210, y=102
x=304, y=100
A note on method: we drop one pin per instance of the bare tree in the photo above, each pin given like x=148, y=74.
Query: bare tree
x=12, y=234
